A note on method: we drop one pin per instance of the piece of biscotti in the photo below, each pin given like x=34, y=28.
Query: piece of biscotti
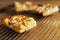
x=19, y=23
x=50, y=9
x=47, y=9
x=26, y=6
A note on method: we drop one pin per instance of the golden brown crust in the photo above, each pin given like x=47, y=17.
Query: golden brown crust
x=19, y=23
x=45, y=10
x=25, y=6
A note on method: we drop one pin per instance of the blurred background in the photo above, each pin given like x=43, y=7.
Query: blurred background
x=6, y=2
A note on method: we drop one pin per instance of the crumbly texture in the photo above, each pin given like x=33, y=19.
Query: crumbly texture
x=25, y=6
x=50, y=9
x=19, y=23
x=47, y=9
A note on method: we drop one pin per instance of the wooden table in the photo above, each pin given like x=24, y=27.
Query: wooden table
x=48, y=28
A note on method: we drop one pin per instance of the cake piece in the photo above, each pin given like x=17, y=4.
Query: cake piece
x=47, y=9
x=19, y=23
x=27, y=6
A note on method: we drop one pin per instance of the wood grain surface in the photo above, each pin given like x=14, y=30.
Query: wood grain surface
x=48, y=28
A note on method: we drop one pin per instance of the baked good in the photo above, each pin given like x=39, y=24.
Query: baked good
x=47, y=9
x=19, y=23
x=27, y=6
